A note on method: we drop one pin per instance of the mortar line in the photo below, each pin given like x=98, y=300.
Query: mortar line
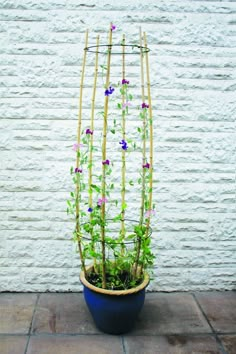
x=123, y=344
x=31, y=323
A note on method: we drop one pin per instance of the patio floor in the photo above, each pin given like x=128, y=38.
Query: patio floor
x=59, y=323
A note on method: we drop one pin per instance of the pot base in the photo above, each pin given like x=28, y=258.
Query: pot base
x=114, y=314
x=114, y=311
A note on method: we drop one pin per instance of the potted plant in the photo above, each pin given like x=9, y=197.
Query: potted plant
x=114, y=164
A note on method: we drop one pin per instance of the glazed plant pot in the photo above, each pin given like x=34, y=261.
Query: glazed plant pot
x=114, y=311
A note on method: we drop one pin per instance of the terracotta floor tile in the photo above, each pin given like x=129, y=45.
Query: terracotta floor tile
x=13, y=344
x=90, y=344
x=171, y=345
x=220, y=309
x=16, y=312
x=229, y=343
x=63, y=313
x=170, y=314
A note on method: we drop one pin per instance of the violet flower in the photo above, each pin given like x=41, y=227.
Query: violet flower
x=126, y=104
x=102, y=201
x=150, y=213
x=90, y=210
x=147, y=165
x=109, y=91
x=124, y=144
x=88, y=131
x=106, y=162
x=113, y=27
x=145, y=105
x=77, y=146
x=124, y=81
x=78, y=170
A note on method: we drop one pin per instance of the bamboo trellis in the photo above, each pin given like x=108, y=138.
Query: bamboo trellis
x=123, y=50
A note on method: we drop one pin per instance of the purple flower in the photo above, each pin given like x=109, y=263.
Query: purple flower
x=144, y=105
x=102, y=201
x=109, y=91
x=150, y=213
x=124, y=144
x=77, y=146
x=88, y=131
x=90, y=210
x=126, y=104
x=124, y=81
x=106, y=162
x=147, y=165
x=113, y=27
x=78, y=170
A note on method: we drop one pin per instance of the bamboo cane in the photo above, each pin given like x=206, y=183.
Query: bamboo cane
x=123, y=151
x=150, y=131
x=78, y=154
x=92, y=126
x=150, y=120
x=90, y=166
x=144, y=129
x=143, y=153
x=104, y=142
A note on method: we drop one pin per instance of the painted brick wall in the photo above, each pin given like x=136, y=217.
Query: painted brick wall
x=193, y=61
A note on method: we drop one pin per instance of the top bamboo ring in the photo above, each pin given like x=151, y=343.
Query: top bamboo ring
x=135, y=49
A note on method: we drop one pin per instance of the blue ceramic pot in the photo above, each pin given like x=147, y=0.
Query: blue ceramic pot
x=114, y=311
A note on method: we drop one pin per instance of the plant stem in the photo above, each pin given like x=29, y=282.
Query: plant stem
x=78, y=155
x=104, y=142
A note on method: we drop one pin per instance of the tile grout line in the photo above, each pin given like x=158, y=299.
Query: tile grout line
x=31, y=323
x=220, y=345
x=123, y=344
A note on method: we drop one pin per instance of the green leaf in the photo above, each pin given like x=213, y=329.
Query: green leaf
x=97, y=189
x=124, y=206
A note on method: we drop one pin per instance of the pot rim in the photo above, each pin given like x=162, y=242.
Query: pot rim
x=134, y=290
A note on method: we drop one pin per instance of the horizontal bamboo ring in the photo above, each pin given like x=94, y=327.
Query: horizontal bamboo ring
x=136, y=49
x=139, y=287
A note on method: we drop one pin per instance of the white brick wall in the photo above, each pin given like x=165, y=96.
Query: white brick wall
x=193, y=63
